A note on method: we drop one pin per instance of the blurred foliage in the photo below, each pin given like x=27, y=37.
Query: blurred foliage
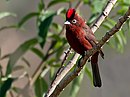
x=47, y=29
x=5, y=14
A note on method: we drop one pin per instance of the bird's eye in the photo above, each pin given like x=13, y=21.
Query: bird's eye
x=74, y=21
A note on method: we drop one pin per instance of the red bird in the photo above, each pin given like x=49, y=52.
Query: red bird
x=81, y=38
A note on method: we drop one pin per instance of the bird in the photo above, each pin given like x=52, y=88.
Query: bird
x=81, y=38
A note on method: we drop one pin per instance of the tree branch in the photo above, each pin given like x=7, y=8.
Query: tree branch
x=54, y=90
x=104, y=14
x=76, y=72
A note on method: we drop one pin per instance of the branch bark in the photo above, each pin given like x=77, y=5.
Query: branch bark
x=55, y=89
x=76, y=72
x=104, y=14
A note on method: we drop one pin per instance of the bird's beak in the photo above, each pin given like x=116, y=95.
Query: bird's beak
x=67, y=23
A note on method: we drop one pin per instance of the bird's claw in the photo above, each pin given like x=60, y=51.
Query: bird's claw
x=89, y=59
x=79, y=62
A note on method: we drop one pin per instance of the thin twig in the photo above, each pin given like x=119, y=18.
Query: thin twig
x=76, y=72
x=1, y=72
x=80, y=3
x=66, y=55
x=11, y=93
x=7, y=27
x=70, y=3
x=37, y=72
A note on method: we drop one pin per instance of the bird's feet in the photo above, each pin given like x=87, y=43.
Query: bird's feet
x=79, y=61
x=81, y=58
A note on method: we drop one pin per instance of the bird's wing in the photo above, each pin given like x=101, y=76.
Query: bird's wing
x=89, y=35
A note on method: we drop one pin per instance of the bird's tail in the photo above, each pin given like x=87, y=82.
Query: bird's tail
x=95, y=70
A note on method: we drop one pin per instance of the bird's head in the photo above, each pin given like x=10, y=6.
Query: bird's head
x=72, y=18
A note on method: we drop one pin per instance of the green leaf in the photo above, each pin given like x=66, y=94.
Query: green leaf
x=58, y=44
x=76, y=85
x=38, y=52
x=52, y=73
x=86, y=1
x=128, y=25
x=56, y=37
x=45, y=71
x=18, y=67
x=20, y=51
x=119, y=38
x=127, y=2
x=123, y=37
x=57, y=27
x=6, y=86
x=89, y=73
x=54, y=2
x=98, y=5
x=61, y=10
x=40, y=87
x=26, y=62
x=5, y=56
x=8, y=27
x=91, y=19
x=60, y=51
x=26, y=18
x=111, y=43
x=44, y=24
x=5, y=14
x=111, y=21
x=51, y=61
x=119, y=42
x=122, y=10
x=107, y=25
x=41, y=5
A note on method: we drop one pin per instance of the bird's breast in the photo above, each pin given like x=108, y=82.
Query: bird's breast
x=77, y=40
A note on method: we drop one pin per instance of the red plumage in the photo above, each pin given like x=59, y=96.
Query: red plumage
x=70, y=13
x=81, y=38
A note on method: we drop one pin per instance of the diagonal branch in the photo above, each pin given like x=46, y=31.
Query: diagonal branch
x=104, y=14
x=107, y=36
x=72, y=62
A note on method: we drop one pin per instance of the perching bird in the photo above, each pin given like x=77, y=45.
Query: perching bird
x=81, y=38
